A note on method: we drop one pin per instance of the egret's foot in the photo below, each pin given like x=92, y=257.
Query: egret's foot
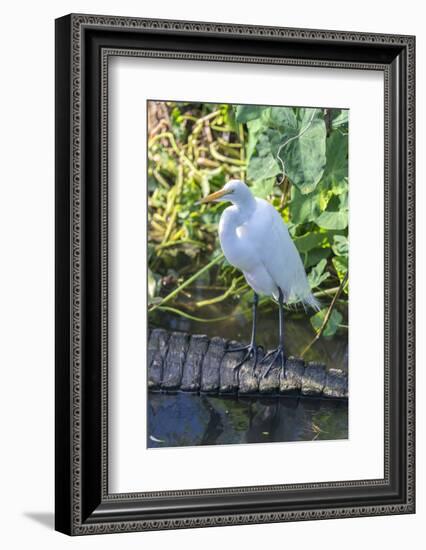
x=252, y=352
x=278, y=353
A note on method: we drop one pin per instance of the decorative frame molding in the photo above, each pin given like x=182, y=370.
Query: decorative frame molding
x=84, y=43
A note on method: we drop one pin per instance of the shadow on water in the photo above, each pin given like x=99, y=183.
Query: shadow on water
x=181, y=419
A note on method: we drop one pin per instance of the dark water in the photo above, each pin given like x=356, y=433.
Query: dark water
x=186, y=419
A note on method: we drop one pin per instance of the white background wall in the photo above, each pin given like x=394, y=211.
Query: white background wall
x=27, y=262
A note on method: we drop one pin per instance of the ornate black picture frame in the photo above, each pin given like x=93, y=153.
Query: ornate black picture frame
x=83, y=45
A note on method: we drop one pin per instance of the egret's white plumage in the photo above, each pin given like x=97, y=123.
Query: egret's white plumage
x=255, y=239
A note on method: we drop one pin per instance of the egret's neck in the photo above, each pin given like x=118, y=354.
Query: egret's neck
x=231, y=227
x=244, y=207
x=235, y=216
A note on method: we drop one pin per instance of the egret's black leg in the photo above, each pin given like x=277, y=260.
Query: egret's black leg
x=279, y=352
x=252, y=350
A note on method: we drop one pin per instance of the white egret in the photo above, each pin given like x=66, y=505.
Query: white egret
x=255, y=239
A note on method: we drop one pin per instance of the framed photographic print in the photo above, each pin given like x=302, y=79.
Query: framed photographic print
x=234, y=274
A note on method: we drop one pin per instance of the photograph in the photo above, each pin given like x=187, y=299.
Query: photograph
x=234, y=273
x=248, y=273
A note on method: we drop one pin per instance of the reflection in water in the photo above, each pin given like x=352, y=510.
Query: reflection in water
x=185, y=419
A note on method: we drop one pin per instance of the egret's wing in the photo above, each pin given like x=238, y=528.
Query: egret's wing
x=279, y=254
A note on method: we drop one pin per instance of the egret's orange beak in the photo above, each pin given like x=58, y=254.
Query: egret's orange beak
x=214, y=196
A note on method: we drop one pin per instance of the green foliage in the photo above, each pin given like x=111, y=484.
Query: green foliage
x=317, y=274
x=304, y=208
x=244, y=113
x=341, y=245
x=334, y=219
x=264, y=188
x=297, y=158
x=304, y=154
x=284, y=136
x=333, y=323
x=336, y=171
x=262, y=169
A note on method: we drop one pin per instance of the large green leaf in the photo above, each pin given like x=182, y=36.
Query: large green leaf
x=262, y=168
x=244, y=113
x=255, y=128
x=304, y=208
x=307, y=114
x=332, y=325
x=305, y=156
x=265, y=141
x=283, y=118
x=262, y=140
x=336, y=171
x=309, y=241
x=299, y=141
x=269, y=141
x=263, y=188
x=333, y=220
